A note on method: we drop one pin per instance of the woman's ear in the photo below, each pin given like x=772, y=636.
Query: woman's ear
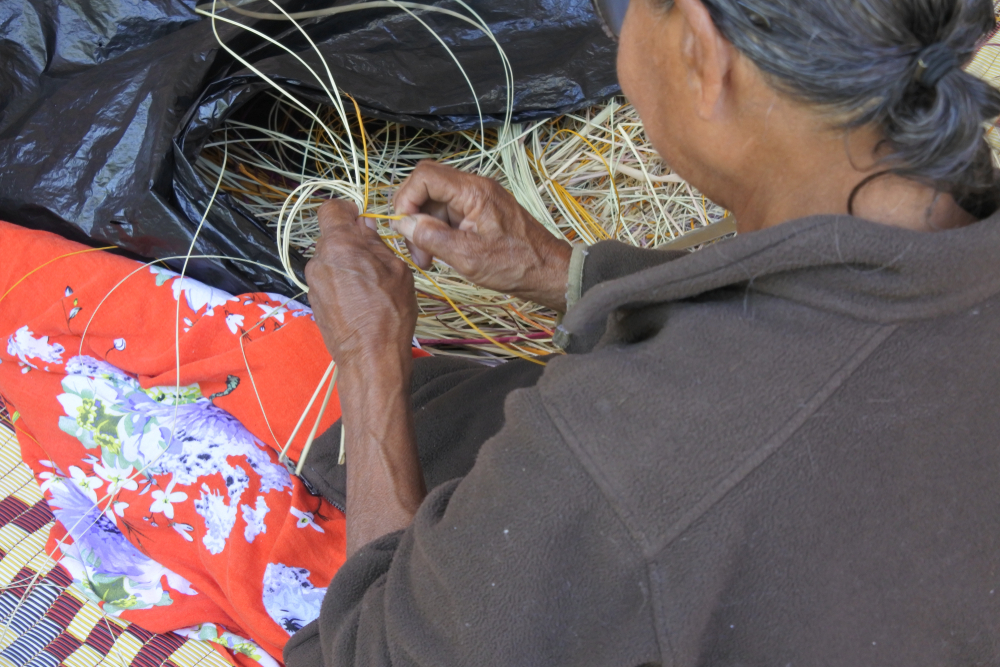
x=707, y=57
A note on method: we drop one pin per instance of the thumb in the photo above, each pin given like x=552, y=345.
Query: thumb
x=334, y=213
x=430, y=237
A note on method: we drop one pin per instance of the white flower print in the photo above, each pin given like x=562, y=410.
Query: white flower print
x=89, y=485
x=84, y=365
x=106, y=566
x=158, y=429
x=162, y=274
x=220, y=516
x=213, y=633
x=199, y=295
x=120, y=508
x=234, y=321
x=275, y=311
x=24, y=346
x=143, y=445
x=119, y=344
x=164, y=499
x=178, y=583
x=297, y=308
x=92, y=411
x=163, y=431
x=305, y=519
x=254, y=516
x=236, y=479
x=118, y=478
x=289, y=597
x=47, y=479
x=183, y=529
x=219, y=519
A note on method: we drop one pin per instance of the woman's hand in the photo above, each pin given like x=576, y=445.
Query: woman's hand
x=361, y=293
x=479, y=229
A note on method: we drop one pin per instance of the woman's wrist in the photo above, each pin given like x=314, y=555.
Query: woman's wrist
x=393, y=350
x=551, y=276
x=386, y=485
x=371, y=373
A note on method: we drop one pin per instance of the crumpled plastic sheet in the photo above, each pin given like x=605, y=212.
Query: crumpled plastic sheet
x=106, y=104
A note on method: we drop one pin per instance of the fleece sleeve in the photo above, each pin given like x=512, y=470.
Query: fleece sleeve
x=610, y=260
x=521, y=562
x=603, y=262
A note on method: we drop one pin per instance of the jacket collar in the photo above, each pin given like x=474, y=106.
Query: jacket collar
x=840, y=264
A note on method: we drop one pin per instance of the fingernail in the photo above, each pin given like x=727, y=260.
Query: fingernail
x=405, y=225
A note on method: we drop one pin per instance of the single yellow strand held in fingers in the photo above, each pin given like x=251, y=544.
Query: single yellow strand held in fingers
x=364, y=142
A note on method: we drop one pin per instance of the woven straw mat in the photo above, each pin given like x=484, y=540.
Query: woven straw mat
x=45, y=621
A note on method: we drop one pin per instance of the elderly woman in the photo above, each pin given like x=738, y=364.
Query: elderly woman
x=780, y=450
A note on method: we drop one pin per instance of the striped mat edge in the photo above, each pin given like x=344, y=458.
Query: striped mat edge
x=986, y=65
x=46, y=621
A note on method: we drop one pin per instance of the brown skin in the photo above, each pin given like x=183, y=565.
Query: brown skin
x=467, y=219
x=366, y=309
x=716, y=121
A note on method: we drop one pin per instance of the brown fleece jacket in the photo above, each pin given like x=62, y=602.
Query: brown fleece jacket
x=779, y=450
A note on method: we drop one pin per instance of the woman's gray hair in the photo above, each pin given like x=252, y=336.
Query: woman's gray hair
x=867, y=62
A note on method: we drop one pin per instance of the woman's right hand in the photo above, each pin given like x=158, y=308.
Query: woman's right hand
x=478, y=228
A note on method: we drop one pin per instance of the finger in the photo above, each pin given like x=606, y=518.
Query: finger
x=421, y=258
x=372, y=241
x=376, y=245
x=334, y=213
x=370, y=223
x=440, y=211
x=430, y=182
x=435, y=238
x=340, y=238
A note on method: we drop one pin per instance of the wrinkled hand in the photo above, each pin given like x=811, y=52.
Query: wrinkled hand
x=479, y=229
x=361, y=293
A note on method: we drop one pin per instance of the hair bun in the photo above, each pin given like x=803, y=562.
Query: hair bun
x=892, y=64
x=934, y=63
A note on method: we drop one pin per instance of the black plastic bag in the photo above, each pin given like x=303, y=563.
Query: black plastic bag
x=89, y=110
x=106, y=152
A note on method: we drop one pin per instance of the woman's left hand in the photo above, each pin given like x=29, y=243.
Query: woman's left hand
x=364, y=302
x=361, y=293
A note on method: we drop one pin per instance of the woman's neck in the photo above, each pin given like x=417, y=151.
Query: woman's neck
x=887, y=199
x=796, y=167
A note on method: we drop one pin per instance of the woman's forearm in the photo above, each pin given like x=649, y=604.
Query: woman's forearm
x=385, y=485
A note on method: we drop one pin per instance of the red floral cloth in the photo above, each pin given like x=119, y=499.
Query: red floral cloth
x=174, y=508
